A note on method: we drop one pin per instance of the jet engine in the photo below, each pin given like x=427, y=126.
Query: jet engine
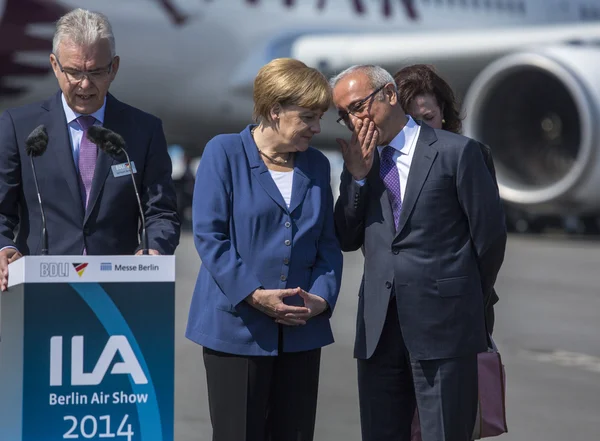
x=539, y=111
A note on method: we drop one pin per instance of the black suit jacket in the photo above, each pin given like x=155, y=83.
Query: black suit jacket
x=489, y=160
x=444, y=256
x=110, y=223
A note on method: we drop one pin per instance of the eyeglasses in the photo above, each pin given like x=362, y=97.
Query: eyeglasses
x=77, y=76
x=355, y=107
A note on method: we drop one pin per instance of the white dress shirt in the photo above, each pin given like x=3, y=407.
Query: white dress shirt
x=404, y=145
x=75, y=132
x=284, y=182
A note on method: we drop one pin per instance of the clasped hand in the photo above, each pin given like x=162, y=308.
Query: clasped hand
x=270, y=302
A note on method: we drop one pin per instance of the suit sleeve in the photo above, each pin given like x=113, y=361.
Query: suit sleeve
x=480, y=201
x=158, y=196
x=10, y=181
x=327, y=272
x=211, y=211
x=489, y=161
x=350, y=212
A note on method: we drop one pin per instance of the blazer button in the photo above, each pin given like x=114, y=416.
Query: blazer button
x=286, y=261
x=283, y=278
x=396, y=252
x=288, y=224
x=388, y=285
x=86, y=230
x=287, y=242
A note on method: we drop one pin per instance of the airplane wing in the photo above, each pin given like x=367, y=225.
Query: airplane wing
x=532, y=94
x=338, y=51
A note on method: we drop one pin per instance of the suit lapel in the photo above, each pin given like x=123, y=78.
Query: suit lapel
x=114, y=122
x=419, y=170
x=61, y=149
x=260, y=170
x=301, y=180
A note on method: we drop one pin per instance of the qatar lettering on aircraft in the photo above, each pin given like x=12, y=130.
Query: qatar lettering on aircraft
x=178, y=17
x=359, y=6
x=17, y=15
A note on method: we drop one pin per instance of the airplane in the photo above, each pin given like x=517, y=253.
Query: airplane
x=527, y=72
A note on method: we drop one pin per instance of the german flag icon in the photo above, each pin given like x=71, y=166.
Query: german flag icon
x=80, y=268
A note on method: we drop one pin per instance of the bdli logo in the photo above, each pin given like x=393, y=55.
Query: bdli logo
x=54, y=269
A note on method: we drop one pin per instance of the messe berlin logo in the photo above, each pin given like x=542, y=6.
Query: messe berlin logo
x=106, y=266
x=80, y=268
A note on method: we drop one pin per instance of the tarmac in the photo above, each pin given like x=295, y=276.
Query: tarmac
x=547, y=331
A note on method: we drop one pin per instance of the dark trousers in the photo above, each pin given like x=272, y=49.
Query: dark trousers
x=391, y=385
x=263, y=398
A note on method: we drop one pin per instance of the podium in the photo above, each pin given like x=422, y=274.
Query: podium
x=87, y=349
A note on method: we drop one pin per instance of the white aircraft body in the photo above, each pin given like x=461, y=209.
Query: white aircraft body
x=527, y=71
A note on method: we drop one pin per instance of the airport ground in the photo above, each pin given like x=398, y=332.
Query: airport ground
x=547, y=330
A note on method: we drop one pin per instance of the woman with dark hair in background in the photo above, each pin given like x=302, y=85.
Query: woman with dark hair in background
x=424, y=95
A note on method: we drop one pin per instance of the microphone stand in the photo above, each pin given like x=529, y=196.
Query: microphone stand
x=137, y=195
x=44, y=230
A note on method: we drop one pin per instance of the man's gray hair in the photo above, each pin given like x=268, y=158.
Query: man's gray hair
x=83, y=28
x=378, y=76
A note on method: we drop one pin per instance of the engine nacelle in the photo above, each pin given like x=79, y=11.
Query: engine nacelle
x=539, y=112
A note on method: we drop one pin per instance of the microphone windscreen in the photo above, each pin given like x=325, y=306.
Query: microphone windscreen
x=37, y=141
x=107, y=140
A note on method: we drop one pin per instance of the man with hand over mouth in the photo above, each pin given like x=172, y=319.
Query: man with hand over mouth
x=426, y=213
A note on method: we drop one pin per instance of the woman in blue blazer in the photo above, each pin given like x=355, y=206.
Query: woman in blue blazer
x=271, y=264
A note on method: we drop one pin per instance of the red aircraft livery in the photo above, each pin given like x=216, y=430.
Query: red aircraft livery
x=17, y=15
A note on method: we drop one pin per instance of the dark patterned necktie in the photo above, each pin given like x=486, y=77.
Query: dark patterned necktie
x=389, y=173
x=88, y=152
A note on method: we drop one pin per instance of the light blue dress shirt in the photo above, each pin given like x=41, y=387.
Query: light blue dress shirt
x=75, y=131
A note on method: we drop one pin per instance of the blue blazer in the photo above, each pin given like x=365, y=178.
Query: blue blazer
x=109, y=225
x=247, y=238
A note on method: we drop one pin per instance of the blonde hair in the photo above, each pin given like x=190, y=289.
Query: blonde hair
x=286, y=81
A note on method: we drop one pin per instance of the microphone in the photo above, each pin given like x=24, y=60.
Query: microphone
x=35, y=145
x=113, y=144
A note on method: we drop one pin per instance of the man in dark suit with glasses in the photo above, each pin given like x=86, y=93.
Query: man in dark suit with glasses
x=426, y=213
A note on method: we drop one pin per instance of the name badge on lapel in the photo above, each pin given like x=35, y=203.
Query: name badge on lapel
x=119, y=170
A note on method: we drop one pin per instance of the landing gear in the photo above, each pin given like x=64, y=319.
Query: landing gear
x=522, y=222
x=582, y=225
x=592, y=224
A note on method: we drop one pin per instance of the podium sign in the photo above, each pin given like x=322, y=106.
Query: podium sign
x=87, y=349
